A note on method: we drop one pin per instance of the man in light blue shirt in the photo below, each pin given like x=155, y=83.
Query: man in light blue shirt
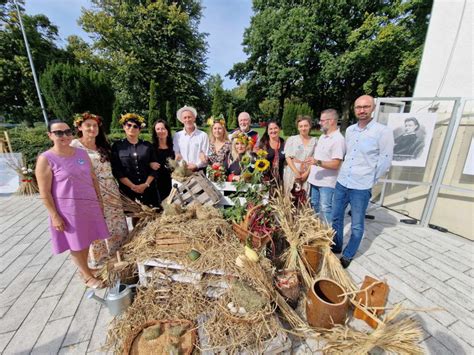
x=369, y=151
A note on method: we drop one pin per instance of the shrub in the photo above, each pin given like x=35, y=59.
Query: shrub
x=30, y=142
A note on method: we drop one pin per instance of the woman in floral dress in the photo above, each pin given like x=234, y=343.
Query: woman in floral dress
x=298, y=149
x=93, y=140
x=219, y=144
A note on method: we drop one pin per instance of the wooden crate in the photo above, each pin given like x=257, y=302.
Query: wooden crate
x=198, y=188
x=213, y=283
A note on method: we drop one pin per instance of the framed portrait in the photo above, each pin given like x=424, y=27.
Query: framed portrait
x=412, y=133
x=9, y=178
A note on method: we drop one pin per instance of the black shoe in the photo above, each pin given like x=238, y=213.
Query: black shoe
x=336, y=251
x=345, y=262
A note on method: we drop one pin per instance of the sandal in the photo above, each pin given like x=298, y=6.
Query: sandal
x=94, y=283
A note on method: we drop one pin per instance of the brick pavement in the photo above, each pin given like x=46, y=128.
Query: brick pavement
x=43, y=309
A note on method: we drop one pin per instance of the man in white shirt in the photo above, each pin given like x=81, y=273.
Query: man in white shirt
x=327, y=158
x=189, y=143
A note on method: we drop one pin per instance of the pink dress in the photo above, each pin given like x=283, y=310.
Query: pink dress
x=76, y=202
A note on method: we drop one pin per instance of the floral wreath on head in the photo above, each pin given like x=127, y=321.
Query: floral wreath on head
x=79, y=118
x=241, y=137
x=132, y=117
x=213, y=120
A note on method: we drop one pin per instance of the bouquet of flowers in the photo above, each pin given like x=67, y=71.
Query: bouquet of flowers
x=216, y=172
x=254, y=169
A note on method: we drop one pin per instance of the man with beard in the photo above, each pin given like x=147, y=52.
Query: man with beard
x=369, y=155
x=325, y=164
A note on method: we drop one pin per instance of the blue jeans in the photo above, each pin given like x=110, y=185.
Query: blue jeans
x=321, y=201
x=359, y=200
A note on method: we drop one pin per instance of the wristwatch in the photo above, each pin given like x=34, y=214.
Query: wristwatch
x=318, y=162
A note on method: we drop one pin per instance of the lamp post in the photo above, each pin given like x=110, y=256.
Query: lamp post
x=31, y=64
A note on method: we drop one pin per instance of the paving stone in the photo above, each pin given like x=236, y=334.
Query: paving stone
x=466, y=289
x=36, y=246
x=79, y=348
x=440, y=275
x=455, y=309
x=83, y=323
x=26, y=336
x=420, y=300
x=432, y=346
x=13, y=270
x=52, y=336
x=443, y=335
x=464, y=332
x=417, y=284
x=10, y=243
x=4, y=339
x=43, y=256
x=3, y=310
x=71, y=299
x=18, y=285
x=12, y=255
x=377, y=269
x=61, y=279
x=413, y=249
x=449, y=270
x=460, y=298
x=390, y=255
x=23, y=305
x=464, y=255
x=356, y=269
x=99, y=333
x=436, y=254
x=52, y=266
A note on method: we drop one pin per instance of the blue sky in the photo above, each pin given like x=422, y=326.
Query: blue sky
x=223, y=20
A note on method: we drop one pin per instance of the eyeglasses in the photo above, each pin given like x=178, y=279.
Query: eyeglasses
x=132, y=125
x=358, y=108
x=68, y=132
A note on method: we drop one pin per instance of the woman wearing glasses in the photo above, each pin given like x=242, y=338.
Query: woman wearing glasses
x=131, y=158
x=91, y=137
x=70, y=192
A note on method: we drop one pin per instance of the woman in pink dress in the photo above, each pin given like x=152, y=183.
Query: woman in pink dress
x=69, y=190
x=92, y=138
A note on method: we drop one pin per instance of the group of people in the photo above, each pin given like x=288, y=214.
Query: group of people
x=80, y=180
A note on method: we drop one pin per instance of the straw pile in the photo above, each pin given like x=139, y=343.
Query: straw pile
x=395, y=335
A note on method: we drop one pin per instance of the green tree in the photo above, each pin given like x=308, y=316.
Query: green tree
x=269, y=109
x=18, y=98
x=231, y=117
x=153, y=108
x=170, y=114
x=150, y=39
x=70, y=89
x=329, y=52
x=218, y=97
x=290, y=113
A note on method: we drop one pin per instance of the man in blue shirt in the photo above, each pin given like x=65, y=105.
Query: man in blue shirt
x=369, y=151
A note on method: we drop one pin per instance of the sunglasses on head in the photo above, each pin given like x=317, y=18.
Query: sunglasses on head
x=68, y=132
x=132, y=125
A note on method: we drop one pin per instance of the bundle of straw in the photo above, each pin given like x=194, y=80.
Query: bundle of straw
x=300, y=227
x=394, y=336
x=28, y=184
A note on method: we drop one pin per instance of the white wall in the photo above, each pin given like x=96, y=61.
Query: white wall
x=447, y=65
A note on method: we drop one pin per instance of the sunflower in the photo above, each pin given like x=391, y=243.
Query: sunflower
x=262, y=165
x=245, y=160
x=262, y=153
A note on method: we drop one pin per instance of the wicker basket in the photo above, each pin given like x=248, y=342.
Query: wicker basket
x=132, y=345
x=258, y=242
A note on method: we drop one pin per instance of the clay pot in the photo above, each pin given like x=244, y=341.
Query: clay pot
x=324, y=306
x=312, y=257
x=374, y=296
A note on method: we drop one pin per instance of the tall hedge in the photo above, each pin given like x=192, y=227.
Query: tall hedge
x=70, y=89
x=30, y=142
x=290, y=113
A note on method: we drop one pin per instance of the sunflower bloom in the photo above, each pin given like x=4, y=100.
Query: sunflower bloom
x=262, y=165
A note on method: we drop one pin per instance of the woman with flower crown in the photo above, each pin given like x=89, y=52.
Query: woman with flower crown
x=131, y=158
x=219, y=143
x=239, y=156
x=93, y=140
